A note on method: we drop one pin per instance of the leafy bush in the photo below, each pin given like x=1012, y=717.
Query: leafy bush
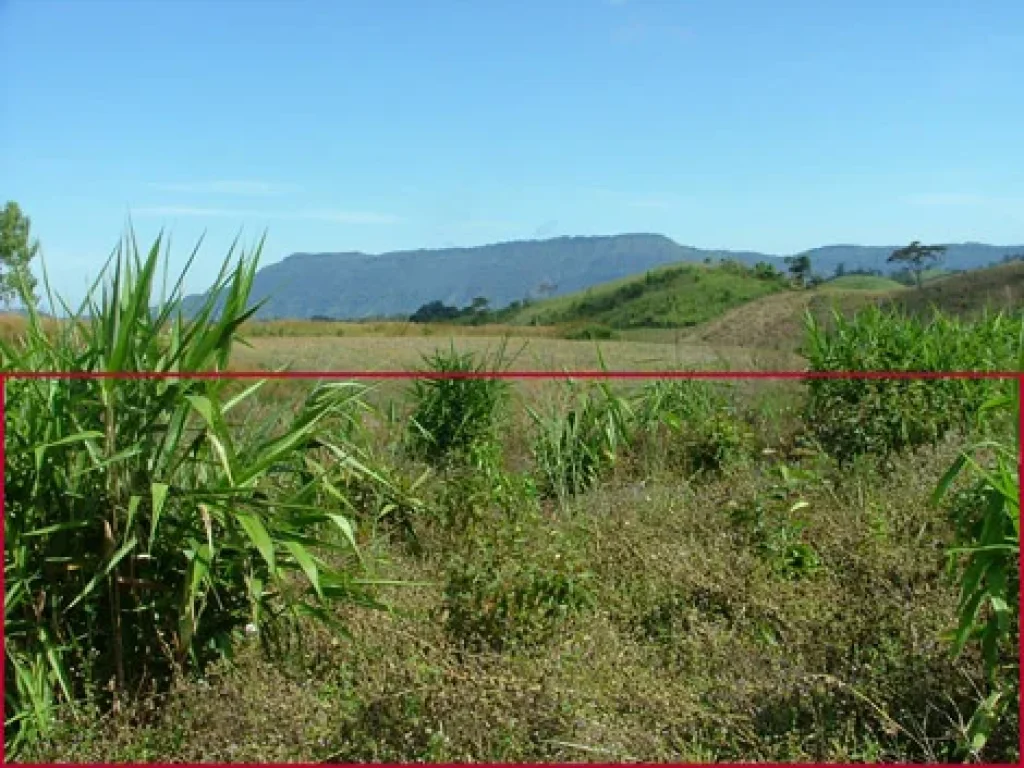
x=458, y=412
x=140, y=534
x=987, y=558
x=484, y=491
x=852, y=417
x=773, y=526
x=572, y=448
x=705, y=433
x=595, y=332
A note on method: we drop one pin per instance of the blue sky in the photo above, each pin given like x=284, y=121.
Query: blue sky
x=382, y=125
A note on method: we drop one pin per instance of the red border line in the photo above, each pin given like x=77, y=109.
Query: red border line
x=1020, y=573
x=3, y=586
x=550, y=375
x=542, y=375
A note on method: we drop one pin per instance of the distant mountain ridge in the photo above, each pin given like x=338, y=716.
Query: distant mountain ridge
x=354, y=285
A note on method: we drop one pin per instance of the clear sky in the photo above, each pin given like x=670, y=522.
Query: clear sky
x=378, y=125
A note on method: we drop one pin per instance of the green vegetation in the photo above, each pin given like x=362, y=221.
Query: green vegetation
x=854, y=417
x=987, y=518
x=455, y=419
x=965, y=294
x=799, y=268
x=916, y=256
x=691, y=426
x=862, y=283
x=682, y=571
x=670, y=297
x=580, y=438
x=143, y=532
x=17, y=250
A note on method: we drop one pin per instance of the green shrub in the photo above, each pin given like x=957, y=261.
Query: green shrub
x=141, y=535
x=692, y=423
x=453, y=417
x=573, y=447
x=593, y=331
x=773, y=526
x=986, y=516
x=513, y=590
x=852, y=417
x=483, y=492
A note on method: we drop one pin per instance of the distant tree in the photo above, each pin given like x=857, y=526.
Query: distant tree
x=17, y=250
x=840, y=269
x=763, y=270
x=799, y=268
x=434, y=311
x=915, y=256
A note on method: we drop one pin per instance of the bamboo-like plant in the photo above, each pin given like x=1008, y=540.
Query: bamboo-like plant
x=141, y=534
x=853, y=417
x=987, y=561
x=573, y=448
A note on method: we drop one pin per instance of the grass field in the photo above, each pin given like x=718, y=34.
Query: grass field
x=862, y=283
x=468, y=570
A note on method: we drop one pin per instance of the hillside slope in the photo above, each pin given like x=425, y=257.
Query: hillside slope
x=679, y=296
x=967, y=293
x=358, y=285
x=776, y=322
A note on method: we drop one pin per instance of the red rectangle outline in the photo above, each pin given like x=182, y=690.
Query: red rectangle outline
x=526, y=375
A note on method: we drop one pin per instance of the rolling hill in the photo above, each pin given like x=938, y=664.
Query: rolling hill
x=356, y=285
x=678, y=296
x=776, y=322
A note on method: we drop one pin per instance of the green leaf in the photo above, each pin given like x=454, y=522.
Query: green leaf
x=947, y=479
x=158, y=493
x=98, y=577
x=345, y=527
x=305, y=561
x=258, y=535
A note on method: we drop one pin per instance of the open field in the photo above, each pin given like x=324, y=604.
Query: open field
x=862, y=283
x=472, y=570
x=372, y=353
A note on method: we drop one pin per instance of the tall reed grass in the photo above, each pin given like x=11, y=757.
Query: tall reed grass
x=853, y=417
x=141, y=535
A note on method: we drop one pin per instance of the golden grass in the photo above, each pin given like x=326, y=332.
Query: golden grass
x=393, y=346
x=12, y=326
x=386, y=328
x=547, y=354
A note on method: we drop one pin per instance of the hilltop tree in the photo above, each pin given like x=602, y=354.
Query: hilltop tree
x=799, y=268
x=915, y=256
x=17, y=250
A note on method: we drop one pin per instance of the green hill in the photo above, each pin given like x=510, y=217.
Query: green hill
x=681, y=295
x=776, y=322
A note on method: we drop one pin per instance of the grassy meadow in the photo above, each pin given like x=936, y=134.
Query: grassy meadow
x=480, y=570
